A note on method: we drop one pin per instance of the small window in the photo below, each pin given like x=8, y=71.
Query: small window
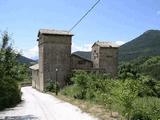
x=109, y=56
x=81, y=62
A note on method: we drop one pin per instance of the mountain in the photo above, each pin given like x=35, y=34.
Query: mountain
x=23, y=59
x=147, y=44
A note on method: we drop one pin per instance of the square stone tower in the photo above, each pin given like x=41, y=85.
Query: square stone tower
x=105, y=57
x=54, y=55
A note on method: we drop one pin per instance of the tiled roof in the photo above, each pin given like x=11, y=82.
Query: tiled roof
x=54, y=32
x=106, y=44
x=34, y=67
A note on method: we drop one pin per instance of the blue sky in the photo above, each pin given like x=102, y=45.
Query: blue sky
x=112, y=20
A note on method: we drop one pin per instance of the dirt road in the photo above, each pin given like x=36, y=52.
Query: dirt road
x=41, y=106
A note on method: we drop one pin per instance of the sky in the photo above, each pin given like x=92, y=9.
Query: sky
x=117, y=21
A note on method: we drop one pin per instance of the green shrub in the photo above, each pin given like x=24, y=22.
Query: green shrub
x=151, y=67
x=139, y=115
x=125, y=92
x=157, y=88
x=9, y=93
x=80, y=80
x=68, y=90
x=52, y=87
x=146, y=108
x=120, y=95
x=150, y=86
x=88, y=85
x=128, y=71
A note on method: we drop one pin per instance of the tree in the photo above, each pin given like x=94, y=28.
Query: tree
x=10, y=73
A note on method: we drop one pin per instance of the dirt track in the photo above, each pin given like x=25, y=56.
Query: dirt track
x=41, y=106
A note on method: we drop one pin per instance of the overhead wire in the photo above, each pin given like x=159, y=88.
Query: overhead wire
x=84, y=15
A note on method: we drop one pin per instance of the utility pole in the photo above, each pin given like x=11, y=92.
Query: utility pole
x=56, y=82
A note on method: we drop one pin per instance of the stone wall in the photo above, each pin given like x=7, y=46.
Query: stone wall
x=108, y=60
x=35, y=78
x=41, y=63
x=95, y=56
x=54, y=52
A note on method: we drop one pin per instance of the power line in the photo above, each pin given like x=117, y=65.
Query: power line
x=84, y=15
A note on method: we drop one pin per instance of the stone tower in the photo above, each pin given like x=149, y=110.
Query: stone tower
x=54, y=55
x=105, y=57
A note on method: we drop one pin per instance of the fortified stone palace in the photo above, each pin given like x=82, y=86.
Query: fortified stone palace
x=57, y=63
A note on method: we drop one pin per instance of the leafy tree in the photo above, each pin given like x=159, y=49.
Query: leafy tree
x=151, y=67
x=80, y=82
x=10, y=72
x=128, y=70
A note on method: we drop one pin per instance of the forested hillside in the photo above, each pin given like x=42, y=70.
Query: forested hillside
x=147, y=44
x=23, y=59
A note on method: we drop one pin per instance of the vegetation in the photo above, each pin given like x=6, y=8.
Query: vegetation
x=146, y=44
x=134, y=93
x=25, y=60
x=11, y=72
x=52, y=87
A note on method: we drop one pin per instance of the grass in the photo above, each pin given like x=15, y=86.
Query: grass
x=149, y=107
x=92, y=108
x=25, y=83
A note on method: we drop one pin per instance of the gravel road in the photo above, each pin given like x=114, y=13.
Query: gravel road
x=41, y=106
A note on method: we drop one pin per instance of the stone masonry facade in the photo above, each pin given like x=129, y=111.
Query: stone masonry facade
x=57, y=63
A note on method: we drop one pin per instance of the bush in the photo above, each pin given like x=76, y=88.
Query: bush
x=68, y=90
x=80, y=80
x=146, y=108
x=151, y=67
x=10, y=73
x=128, y=70
x=52, y=87
x=150, y=86
x=9, y=93
x=139, y=115
x=125, y=92
x=128, y=96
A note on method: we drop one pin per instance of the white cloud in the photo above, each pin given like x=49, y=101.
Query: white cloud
x=31, y=53
x=158, y=12
x=85, y=47
x=120, y=42
x=88, y=47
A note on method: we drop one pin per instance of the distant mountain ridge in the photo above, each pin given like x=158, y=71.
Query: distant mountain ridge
x=25, y=60
x=147, y=44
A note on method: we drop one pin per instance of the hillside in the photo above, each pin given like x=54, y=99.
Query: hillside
x=147, y=44
x=23, y=59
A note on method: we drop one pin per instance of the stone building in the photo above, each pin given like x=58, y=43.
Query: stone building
x=56, y=61
x=80, y=62
x=105, y=56
x=35, y=76
x=54, y=56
